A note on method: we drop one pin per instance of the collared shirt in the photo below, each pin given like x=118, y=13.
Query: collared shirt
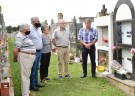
x=62, y=37
x=87, y=37
x=35, y=36
x=24, y=43
x=46, y=44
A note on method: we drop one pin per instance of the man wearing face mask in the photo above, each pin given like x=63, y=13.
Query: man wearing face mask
x=24, y=53
x=36, y=38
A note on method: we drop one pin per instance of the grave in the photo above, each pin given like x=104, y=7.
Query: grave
x=123, y=32
x=103, y=25
x=6, y=87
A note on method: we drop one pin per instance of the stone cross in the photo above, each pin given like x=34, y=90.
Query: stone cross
x=52, y=21
x=46, y=22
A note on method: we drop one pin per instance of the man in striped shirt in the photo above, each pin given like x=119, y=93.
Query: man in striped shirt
x=24, y=53
x=88, y=36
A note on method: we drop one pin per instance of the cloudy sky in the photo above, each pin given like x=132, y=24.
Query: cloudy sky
x=17, y=12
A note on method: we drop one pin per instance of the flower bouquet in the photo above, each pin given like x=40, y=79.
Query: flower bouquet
x=103, y=61
x=119, y=71
x=132, y=51
x=115, y=48
x=105, y=40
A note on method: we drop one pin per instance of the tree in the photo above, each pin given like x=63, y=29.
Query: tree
x=9, y=29
x=14, y=28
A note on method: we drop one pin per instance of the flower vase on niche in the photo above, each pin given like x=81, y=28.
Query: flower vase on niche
x=105, y=42
x=133, y=64
x=133, y=59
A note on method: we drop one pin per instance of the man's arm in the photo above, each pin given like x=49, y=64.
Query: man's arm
x=92, y=43
x=54, y=42
x=80, y=39
x=83, y=43
x=15, y=53
x=95, y=38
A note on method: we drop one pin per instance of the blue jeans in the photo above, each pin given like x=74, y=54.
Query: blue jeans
x=34, y=70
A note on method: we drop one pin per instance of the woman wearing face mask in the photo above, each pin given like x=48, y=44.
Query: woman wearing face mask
x=46, y=54
x=24, y=53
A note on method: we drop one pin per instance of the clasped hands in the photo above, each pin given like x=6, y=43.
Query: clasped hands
x=87, y=46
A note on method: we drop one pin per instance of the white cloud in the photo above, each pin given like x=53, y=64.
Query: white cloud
x=20, y=11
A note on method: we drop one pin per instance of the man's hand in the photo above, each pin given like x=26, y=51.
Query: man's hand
x=15, y=59
x=53, y=49
x=15, y=53
x=54, y=42
x=87, y=46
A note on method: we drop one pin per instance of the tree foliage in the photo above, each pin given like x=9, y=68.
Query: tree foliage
x=11, y=29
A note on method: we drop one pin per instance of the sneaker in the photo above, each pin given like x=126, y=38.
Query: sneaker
x=68, y=76
x=43, y=81
x=60, y=77
x=47, y=78
x=83, y=76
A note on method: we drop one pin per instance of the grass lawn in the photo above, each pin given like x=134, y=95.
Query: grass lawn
x=66, y=87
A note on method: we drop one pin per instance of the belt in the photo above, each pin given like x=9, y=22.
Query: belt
x=28, y=53
x=63, y=46
x=38, y=50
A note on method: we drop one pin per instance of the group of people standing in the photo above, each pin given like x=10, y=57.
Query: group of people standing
x=33, y=51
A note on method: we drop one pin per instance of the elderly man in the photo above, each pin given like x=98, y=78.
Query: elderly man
x=24, y=51
x=61, y=39
x=36, y=38
x=88, y=36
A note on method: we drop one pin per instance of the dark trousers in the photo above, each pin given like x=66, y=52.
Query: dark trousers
x=91, y=53
x=45, y=62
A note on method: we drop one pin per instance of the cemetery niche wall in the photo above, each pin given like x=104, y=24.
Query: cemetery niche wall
x=124, y=32
x=103, y=25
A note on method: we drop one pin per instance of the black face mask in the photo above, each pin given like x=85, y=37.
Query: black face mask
x=37, y=25
x=27, y=32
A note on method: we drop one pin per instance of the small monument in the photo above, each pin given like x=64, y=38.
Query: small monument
x=46, y=22
x=52, y=21
x=103, y=11
x=60, y=16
